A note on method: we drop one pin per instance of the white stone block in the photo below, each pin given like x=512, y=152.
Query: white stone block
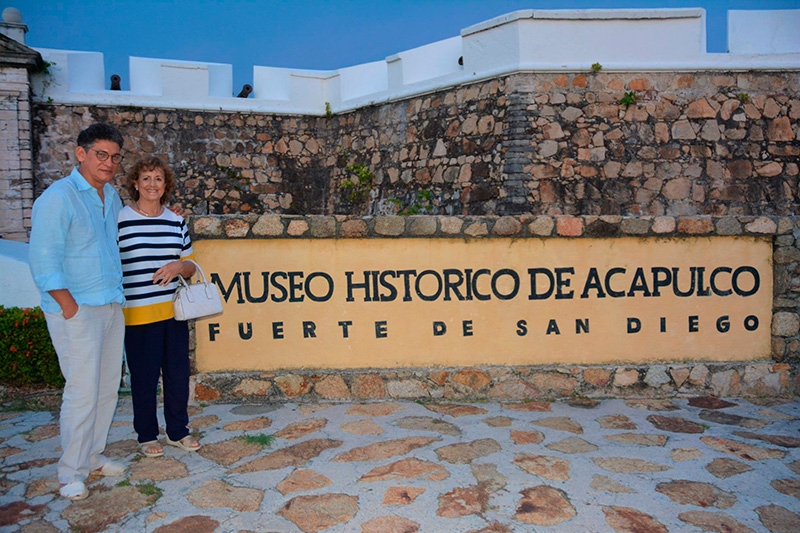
x=180, y=79
x=362, y=80
x=571, y=38
x=428, y=62
x=70, y=71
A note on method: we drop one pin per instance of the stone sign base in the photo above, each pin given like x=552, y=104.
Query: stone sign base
x=762, y=379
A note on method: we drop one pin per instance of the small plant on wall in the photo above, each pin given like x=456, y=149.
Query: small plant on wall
x=45, y=71
x=423, y=204
x=357, y=186
x=628, y=99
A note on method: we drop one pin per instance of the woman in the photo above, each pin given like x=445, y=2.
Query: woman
x=154, y=246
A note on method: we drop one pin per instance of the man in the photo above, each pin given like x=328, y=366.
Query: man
x=75, y=262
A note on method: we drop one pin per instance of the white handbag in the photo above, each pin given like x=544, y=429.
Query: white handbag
x=197, y=300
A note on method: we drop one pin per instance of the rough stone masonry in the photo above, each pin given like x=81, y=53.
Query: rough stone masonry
x=526, y=155
x=692, y=143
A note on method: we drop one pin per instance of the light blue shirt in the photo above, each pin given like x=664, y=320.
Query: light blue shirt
x=74, y=243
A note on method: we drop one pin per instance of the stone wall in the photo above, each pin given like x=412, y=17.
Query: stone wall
x=16, y=167
x=763, y=378
x=526, y=155
x=544, y=143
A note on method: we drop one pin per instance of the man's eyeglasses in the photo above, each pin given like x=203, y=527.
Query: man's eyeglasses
x=103, y=156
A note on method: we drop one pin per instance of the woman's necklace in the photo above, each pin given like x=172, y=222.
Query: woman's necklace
x=141, y=211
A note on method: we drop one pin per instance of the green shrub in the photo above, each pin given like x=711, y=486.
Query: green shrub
x=26, y=354
x=628, y=99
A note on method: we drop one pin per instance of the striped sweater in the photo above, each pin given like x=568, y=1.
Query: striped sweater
x=145, y=245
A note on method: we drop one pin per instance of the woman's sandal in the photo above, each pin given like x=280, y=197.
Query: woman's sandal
x=147, y=447
x=185, y=443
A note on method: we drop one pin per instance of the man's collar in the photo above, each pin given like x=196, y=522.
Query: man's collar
x=79, y=181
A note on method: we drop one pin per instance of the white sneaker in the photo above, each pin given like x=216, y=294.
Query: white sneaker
x=74, y=491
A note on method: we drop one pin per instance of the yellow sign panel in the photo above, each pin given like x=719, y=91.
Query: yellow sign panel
x=388, y=303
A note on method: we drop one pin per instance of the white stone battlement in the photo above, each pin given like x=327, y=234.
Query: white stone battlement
x=522, y=41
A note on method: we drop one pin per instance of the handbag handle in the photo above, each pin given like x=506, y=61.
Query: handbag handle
x=183, y=283
x=202, y=274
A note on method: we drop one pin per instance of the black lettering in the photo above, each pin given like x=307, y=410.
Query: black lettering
x=295, y=285
x=283, y=292
x=375, y=280
x=352, y=285
x=713, y=281
x=439, y=328
x=309, y=330
x=235, y=282
x=467, y=324
x=663, y=324
x=277, y=330
x=694, y=322
x=514, y=277
x=478, y=273
x=386, y=285
x=314, y=297
x=533, y=272
x=609, y=290
x=418, y=281
x=658, y=281
x=552, y=327
x=381, y=330
x=751, y=323
x=756, y=281
x=345, y=325
x=453, y=285
x=701, y=289
x=581, y=325
x=723, y=324
x=468, y=283
x=264, y=288
x=407, y=283
x=561, y=283
x=213, y=331
x=593, y=282
x=245, y=334
x=375, y=297
x=634, y=325
x=675, y=287
x=639, y=283
x=522, y=328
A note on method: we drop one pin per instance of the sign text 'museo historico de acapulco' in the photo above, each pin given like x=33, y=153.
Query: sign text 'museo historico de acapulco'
x=387, y=303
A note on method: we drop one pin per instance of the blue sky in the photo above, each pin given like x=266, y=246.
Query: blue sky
x=320, y=34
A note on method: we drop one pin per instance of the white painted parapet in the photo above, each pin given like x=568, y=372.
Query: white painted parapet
x=764, y=32
x=621, y=40
x=574, y=39
x=429, y=62
x=292, y=90
x=181, y=79
x=17, y=288
x=69, y=72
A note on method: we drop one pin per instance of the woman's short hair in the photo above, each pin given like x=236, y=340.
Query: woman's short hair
x=144, y=165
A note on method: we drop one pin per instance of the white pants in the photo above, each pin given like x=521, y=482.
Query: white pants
x=89, y=348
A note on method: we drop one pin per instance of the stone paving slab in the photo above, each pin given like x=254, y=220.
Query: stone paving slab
x=683, y=464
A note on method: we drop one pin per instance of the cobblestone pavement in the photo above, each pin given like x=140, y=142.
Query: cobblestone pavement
x=683, y=464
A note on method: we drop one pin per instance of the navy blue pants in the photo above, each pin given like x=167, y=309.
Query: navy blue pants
x=160, y=348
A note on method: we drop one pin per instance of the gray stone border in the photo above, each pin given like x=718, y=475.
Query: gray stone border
x=348, y=226
x=522, y=383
